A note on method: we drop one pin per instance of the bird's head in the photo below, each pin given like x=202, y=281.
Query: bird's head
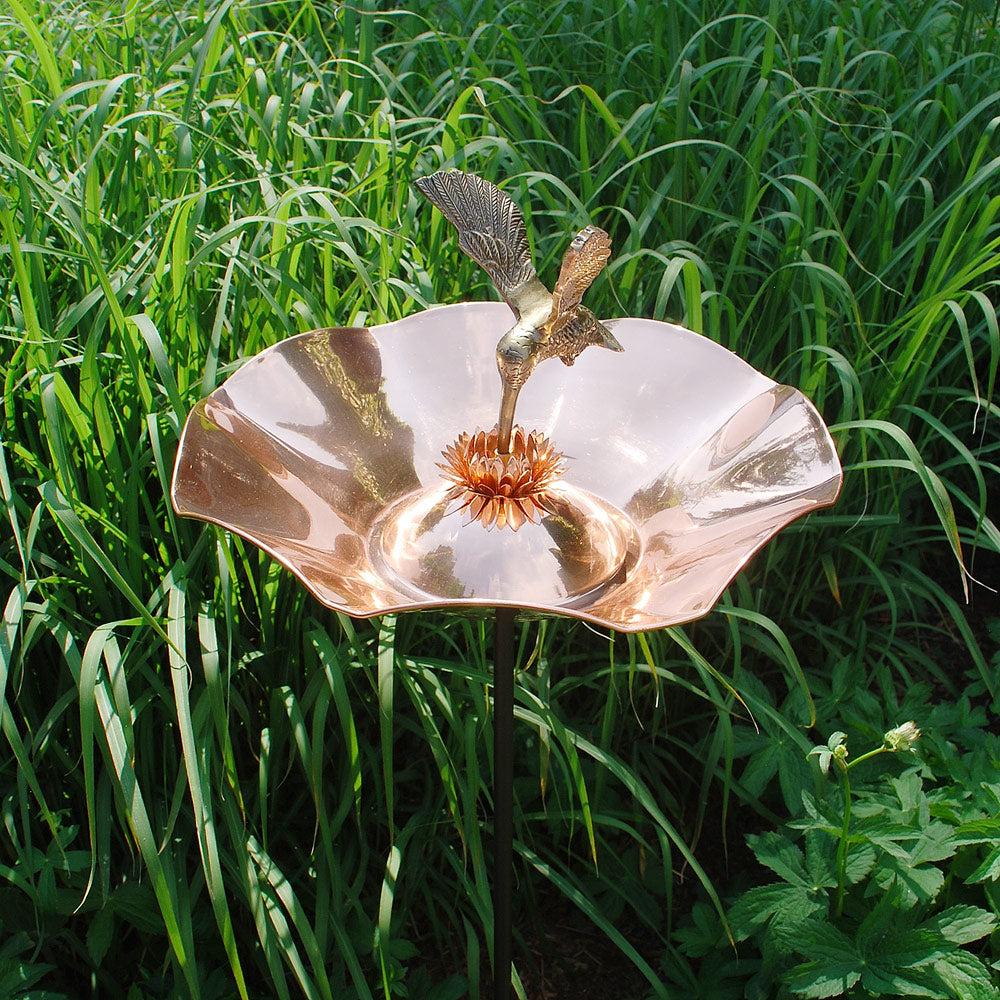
x=516, y=356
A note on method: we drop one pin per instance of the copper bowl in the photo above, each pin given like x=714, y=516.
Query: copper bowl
x=680, y=462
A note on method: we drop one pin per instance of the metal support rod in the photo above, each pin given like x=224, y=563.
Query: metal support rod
x=503, y=798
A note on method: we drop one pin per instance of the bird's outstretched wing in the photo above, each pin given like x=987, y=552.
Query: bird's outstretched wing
x=582, y=262
x=579, y=330
x=490, y=228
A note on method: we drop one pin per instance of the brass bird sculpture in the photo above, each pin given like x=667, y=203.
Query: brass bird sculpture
x=491, y=231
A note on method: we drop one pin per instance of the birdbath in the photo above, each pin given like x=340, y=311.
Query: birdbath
x=378, y=466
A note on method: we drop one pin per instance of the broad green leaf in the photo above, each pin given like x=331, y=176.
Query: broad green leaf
x=780, y=855
x=961, y=924
x=920, y=884
x=880, y=980
x=967, y=977
x=860, y=861
x=821, y=851
x=881, y=921
x=936, y=842
x=785, y=907
x=833, y=968
x=100, y=934
x=907, y=949
x=892, y=838
x=979, y=831
x=989, y=870
x=908, y=788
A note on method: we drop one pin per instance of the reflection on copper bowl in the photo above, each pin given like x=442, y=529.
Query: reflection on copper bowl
x=680, y=462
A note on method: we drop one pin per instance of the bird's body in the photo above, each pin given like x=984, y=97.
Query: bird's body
x=491, y=230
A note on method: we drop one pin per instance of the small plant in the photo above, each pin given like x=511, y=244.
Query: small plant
x=897, y=740
x=877, y=887
x=20, y=973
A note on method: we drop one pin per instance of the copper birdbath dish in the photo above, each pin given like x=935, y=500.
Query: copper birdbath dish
x=680, y=461
x=375, y=464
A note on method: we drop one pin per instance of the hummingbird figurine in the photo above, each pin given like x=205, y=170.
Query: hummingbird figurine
x=492, y=232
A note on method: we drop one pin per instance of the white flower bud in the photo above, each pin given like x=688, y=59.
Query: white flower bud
x=901, y=738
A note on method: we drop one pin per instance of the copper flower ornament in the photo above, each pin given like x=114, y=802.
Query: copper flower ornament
x=502, y=488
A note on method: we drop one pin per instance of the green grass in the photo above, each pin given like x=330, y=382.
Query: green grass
x=211, y=786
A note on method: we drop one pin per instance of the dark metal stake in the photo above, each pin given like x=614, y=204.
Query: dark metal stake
x=503, y=798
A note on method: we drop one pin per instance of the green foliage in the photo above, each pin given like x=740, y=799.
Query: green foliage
x=212, y=787
x=885, y=941
x=881, y=888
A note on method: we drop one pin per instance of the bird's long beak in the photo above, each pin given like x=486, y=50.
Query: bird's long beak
x=508, y=398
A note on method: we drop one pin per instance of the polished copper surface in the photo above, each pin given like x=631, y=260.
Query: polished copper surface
x=681, y=461
x=567, y=558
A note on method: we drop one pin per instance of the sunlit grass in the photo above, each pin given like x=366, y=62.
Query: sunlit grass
x=212, y=786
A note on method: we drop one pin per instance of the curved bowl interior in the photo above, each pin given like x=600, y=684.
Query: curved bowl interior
x=303, y=448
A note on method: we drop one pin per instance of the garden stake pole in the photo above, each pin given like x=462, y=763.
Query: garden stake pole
x=503, y=798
